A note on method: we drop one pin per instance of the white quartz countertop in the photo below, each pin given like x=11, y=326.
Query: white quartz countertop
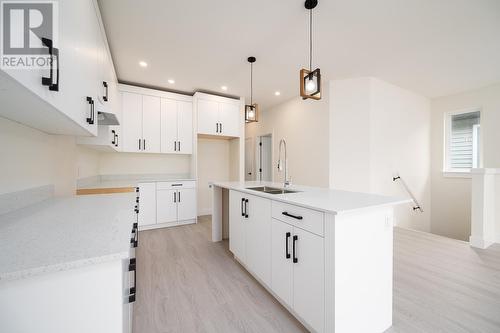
x=323, y=199
x=131, y=182
x=64, y=233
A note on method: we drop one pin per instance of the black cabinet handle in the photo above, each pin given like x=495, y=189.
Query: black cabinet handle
x=179, y=145
x=105, y=97
x=175, y=145
x=298, y=217
x=176, y=185
x=221, y=127
x=90, y=119
x=295, y=259
x=287, y=252
x=132, y=267
x=54, y=56
x=114, y=137
x=246, y=208
x=242, y=203
x=139, y=144
x=175, y=197
x=116, y=144
x=216, y=127
x=144, y=144
x=178, y=196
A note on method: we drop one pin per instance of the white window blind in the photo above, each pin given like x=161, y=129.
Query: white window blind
x=464, y=141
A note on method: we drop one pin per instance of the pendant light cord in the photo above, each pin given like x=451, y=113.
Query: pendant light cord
x=251, y=83
x=310, y=39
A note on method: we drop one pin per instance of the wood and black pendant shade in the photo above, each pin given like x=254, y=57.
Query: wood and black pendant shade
x=310, y=80
x=252, y=109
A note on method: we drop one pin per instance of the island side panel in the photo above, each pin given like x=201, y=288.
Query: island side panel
x=363, y=270
x=216, y=213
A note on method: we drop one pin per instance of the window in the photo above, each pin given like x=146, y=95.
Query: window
x=462, y=140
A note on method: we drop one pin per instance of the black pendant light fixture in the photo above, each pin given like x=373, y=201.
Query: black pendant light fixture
x=310, y=80
x=252, y=109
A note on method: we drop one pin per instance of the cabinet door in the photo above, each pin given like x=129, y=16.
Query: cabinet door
x=168, y=125
x=186, y=204
x=208, y=117
x=229, y=117
x=236, y=225
x=166, y=206
x=185, y=127
x=258, y=237
x=131, y=122
x=281, y=260
x=151, y=124
x=147, y=203
x=308, y=297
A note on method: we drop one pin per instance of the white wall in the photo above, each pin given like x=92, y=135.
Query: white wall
x=377, y=130
x=31, y=158
x=304, y=125
x=213, y=165
x=451, y=196
x=135, y=163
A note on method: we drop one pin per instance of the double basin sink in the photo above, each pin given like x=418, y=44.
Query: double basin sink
x=271, y=190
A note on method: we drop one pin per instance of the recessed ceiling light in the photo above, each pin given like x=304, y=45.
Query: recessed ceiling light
x=224, y=88
x=143, y=64
x=277, y=93
x=171, y=81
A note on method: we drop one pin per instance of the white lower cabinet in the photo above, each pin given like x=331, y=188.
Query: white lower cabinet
x=284, y=257
x=164, y=204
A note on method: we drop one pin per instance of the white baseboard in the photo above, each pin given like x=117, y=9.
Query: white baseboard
x=480, y=243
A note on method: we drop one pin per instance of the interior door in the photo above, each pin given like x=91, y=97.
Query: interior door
x=131, y=122
x=258, y=237
x=169, y=125
x=237, y=225
x=151, y=124
x=281, y=260
x=229, y=117
x=147, y=203
x=185, y=127
x=208, y=117
x=308, y=297
x=186, y=204
x=249, y=159
x=166, y=206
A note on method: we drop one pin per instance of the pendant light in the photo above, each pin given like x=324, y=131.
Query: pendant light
x=310, y=80
x=252, y=109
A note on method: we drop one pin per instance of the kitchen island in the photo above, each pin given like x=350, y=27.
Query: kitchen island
x=326, y=255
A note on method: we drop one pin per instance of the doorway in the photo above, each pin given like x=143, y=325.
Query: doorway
x=264, y=157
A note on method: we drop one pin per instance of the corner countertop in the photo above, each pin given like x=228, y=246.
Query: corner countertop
x=323, y=199
x=63, y=233
x=129, y=181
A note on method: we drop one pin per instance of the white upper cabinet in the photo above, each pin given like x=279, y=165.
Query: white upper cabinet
x=229, y=119
x=141, y=123
x=218, y=116
x=151, y=124
x=176, y=126
x=155, y=121
x=65, y=106
x=131, y=122
x=208, y=117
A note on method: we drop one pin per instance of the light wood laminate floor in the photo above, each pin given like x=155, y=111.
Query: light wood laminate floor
x=187, y=284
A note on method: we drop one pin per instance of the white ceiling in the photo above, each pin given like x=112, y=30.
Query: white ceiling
x=433, y=47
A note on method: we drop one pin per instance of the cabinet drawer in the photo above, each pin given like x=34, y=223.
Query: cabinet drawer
x=175, y=185
x=304, y=218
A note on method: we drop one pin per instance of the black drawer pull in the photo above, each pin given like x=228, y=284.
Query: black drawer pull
x=287, y=252
x=242, y=208
x=105, y=97
x=131, y=298
x=132, y=267
x=246, y=208
x=54, y=57
x=298, y=217
x=295, y=259
x=176, y=184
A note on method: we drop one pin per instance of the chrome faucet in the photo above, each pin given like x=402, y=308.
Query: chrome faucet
x=286, y=182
